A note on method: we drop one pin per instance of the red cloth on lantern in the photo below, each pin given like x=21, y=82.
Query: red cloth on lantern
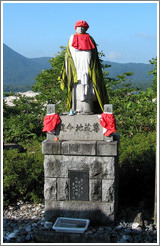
x=50, y=122
x=82, y=42
x=81, y=23
x=108, y=122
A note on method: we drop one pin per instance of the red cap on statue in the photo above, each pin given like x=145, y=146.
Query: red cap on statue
x=81, y=23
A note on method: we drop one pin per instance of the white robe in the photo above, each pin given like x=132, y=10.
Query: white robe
x=83, y=90
x=81, y=60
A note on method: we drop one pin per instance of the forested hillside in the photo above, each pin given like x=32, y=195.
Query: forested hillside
x=140, y=77
x=19, y=72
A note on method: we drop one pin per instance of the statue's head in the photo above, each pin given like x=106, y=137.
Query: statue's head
x=81, y=26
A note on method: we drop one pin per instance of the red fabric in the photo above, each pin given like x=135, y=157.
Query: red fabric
x=108, y=121
x=50, y=122
x=82, y=42
x=81, y=23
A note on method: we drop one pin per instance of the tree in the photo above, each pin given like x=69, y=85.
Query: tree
x=48, y=85
x=154, y=72
x=22, y=121
x=133, y=109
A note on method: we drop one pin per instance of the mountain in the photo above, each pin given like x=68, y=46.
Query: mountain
x=140, y=77
x=19, y=72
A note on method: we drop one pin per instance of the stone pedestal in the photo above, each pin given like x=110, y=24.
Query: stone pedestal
x=81, y=171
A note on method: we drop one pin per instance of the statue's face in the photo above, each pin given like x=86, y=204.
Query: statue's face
x=81, y=29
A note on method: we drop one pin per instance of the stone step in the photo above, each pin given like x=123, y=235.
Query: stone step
x=80, y=148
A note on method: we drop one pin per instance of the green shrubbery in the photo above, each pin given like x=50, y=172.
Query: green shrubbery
x=23, y=175
x=137, y=168
x=139, y=149
x=22, y=121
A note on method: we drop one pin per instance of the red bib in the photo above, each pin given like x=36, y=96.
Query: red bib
x=50, y=122
x=108, y=121
x=82, y=42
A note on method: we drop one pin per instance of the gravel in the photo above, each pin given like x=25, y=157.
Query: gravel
x=25, y=223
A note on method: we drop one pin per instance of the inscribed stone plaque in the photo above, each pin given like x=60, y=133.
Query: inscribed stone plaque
x=79, y=128
x=79, y=185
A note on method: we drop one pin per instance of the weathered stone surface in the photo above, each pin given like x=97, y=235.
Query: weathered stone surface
x=50, y=190
x=108, y=139
x=51, y=109
x=62, y=189
x=108, y=190
x=100, y=167
x=107, y=148
x=96, y=190
x=50, y=147
x=79, y=127
x=97, y=212
x=79, y=148
x=103, y=167
x=108, y=108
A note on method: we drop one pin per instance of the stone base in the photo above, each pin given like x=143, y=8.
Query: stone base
x=81, y=187
x=97, y=213
x=81, y=170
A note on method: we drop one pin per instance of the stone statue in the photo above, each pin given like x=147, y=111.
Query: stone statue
x=81, y=73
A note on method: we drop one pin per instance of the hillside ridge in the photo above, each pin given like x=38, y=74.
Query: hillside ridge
x=19, y=72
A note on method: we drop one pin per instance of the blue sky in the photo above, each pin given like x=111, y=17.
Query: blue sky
x=124, y=31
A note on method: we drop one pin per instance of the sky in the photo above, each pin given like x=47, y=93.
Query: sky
x=124, y=31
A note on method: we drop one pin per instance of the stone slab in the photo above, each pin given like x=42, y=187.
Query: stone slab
x=56, y=189
x=50, y=190
x=50, y=147
x=107, y=148
x=96, y=190
x=98, y=166
x=98, y=212
x=108, y=190
x=79, y=127
x=79, y=147
x=62, y=189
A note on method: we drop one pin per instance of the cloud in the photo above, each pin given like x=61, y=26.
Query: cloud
x=114, y=55
x=146, y=35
